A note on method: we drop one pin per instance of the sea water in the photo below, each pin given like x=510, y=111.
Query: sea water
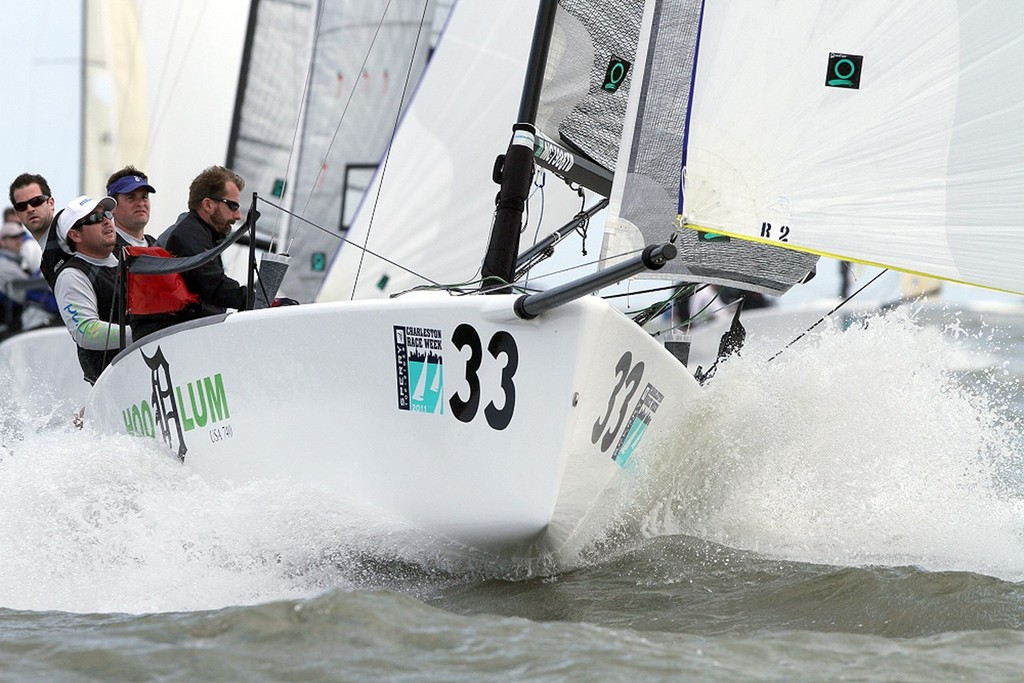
x=851, y=510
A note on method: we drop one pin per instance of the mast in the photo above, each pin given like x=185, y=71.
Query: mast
x=83, y=90
x=243, y=81
x=514, y=170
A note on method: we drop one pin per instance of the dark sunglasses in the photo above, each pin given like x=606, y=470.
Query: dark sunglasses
x=36, y=201
x=231, y=204
x=94, y=218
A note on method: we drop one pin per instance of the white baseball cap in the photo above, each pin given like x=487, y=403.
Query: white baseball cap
x=78, y=209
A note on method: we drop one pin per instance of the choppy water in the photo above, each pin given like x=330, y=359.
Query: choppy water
x=853, y=510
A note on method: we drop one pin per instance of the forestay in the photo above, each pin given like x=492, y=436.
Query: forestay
x=889, y=132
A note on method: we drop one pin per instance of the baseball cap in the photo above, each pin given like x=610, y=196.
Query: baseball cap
x=12, y=230
x=129, y=183
x=77, y=210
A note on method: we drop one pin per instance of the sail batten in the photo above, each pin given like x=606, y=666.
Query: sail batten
x=885, y=133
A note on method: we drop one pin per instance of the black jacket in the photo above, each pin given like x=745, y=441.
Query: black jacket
x=190, y=236
x=54, y=257
x=104, y=283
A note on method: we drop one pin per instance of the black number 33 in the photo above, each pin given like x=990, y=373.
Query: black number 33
x=629, y=380
x=501, y=343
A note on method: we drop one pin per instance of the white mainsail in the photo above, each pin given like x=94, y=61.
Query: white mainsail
x=424, y=218
x=884, y=132
x=321, y=88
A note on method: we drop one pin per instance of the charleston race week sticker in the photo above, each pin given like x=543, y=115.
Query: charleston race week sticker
x=638, y=423
x=419, y=369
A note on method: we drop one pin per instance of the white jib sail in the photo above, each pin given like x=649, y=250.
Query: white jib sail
x=880, y=131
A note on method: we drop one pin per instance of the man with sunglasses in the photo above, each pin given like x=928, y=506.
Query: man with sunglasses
x=32, y=200
x=86, y=287
x=213, y=203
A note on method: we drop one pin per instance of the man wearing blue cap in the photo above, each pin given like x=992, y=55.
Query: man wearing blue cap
x=131, y=188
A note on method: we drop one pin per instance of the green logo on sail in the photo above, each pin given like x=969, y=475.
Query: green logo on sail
x=843, y=70
x=616, y=74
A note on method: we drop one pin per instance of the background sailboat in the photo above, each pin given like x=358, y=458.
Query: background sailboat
x=321, y=89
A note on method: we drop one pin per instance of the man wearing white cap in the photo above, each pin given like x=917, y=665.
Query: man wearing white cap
x=86, y=288
x=130, y=187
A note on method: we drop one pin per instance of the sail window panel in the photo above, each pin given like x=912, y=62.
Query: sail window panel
x=579, y=107
x=269, y=99
x=325, y=85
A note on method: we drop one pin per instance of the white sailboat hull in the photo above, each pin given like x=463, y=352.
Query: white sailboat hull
x=334, y=394
x=45, y=378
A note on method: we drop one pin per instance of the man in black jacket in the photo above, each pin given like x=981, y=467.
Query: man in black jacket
x=213, y=203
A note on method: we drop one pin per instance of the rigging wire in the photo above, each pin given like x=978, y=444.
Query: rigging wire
x=394, y=131
x=133, y=77
x=348, y=241
x=158, y=120
x=822, y=318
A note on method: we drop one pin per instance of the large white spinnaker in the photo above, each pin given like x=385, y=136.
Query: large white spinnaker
x=884, y=132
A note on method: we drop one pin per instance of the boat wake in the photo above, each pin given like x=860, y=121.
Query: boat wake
x=889, y=443
x=93, y=523
x=870, y=446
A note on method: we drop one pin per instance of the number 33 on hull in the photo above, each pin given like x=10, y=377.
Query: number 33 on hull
x=447, y=413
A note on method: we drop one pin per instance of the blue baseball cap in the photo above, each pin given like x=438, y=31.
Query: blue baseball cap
x=129, y=183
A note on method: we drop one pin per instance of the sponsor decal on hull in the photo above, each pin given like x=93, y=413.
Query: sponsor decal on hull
x=612, y=426
x=637, y=425
x=174, y=410
x=420, y=369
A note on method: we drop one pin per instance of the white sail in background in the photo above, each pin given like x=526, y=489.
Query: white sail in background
x=888, y=132
x=115, y=107
x=321, y=89
x=428, y=209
